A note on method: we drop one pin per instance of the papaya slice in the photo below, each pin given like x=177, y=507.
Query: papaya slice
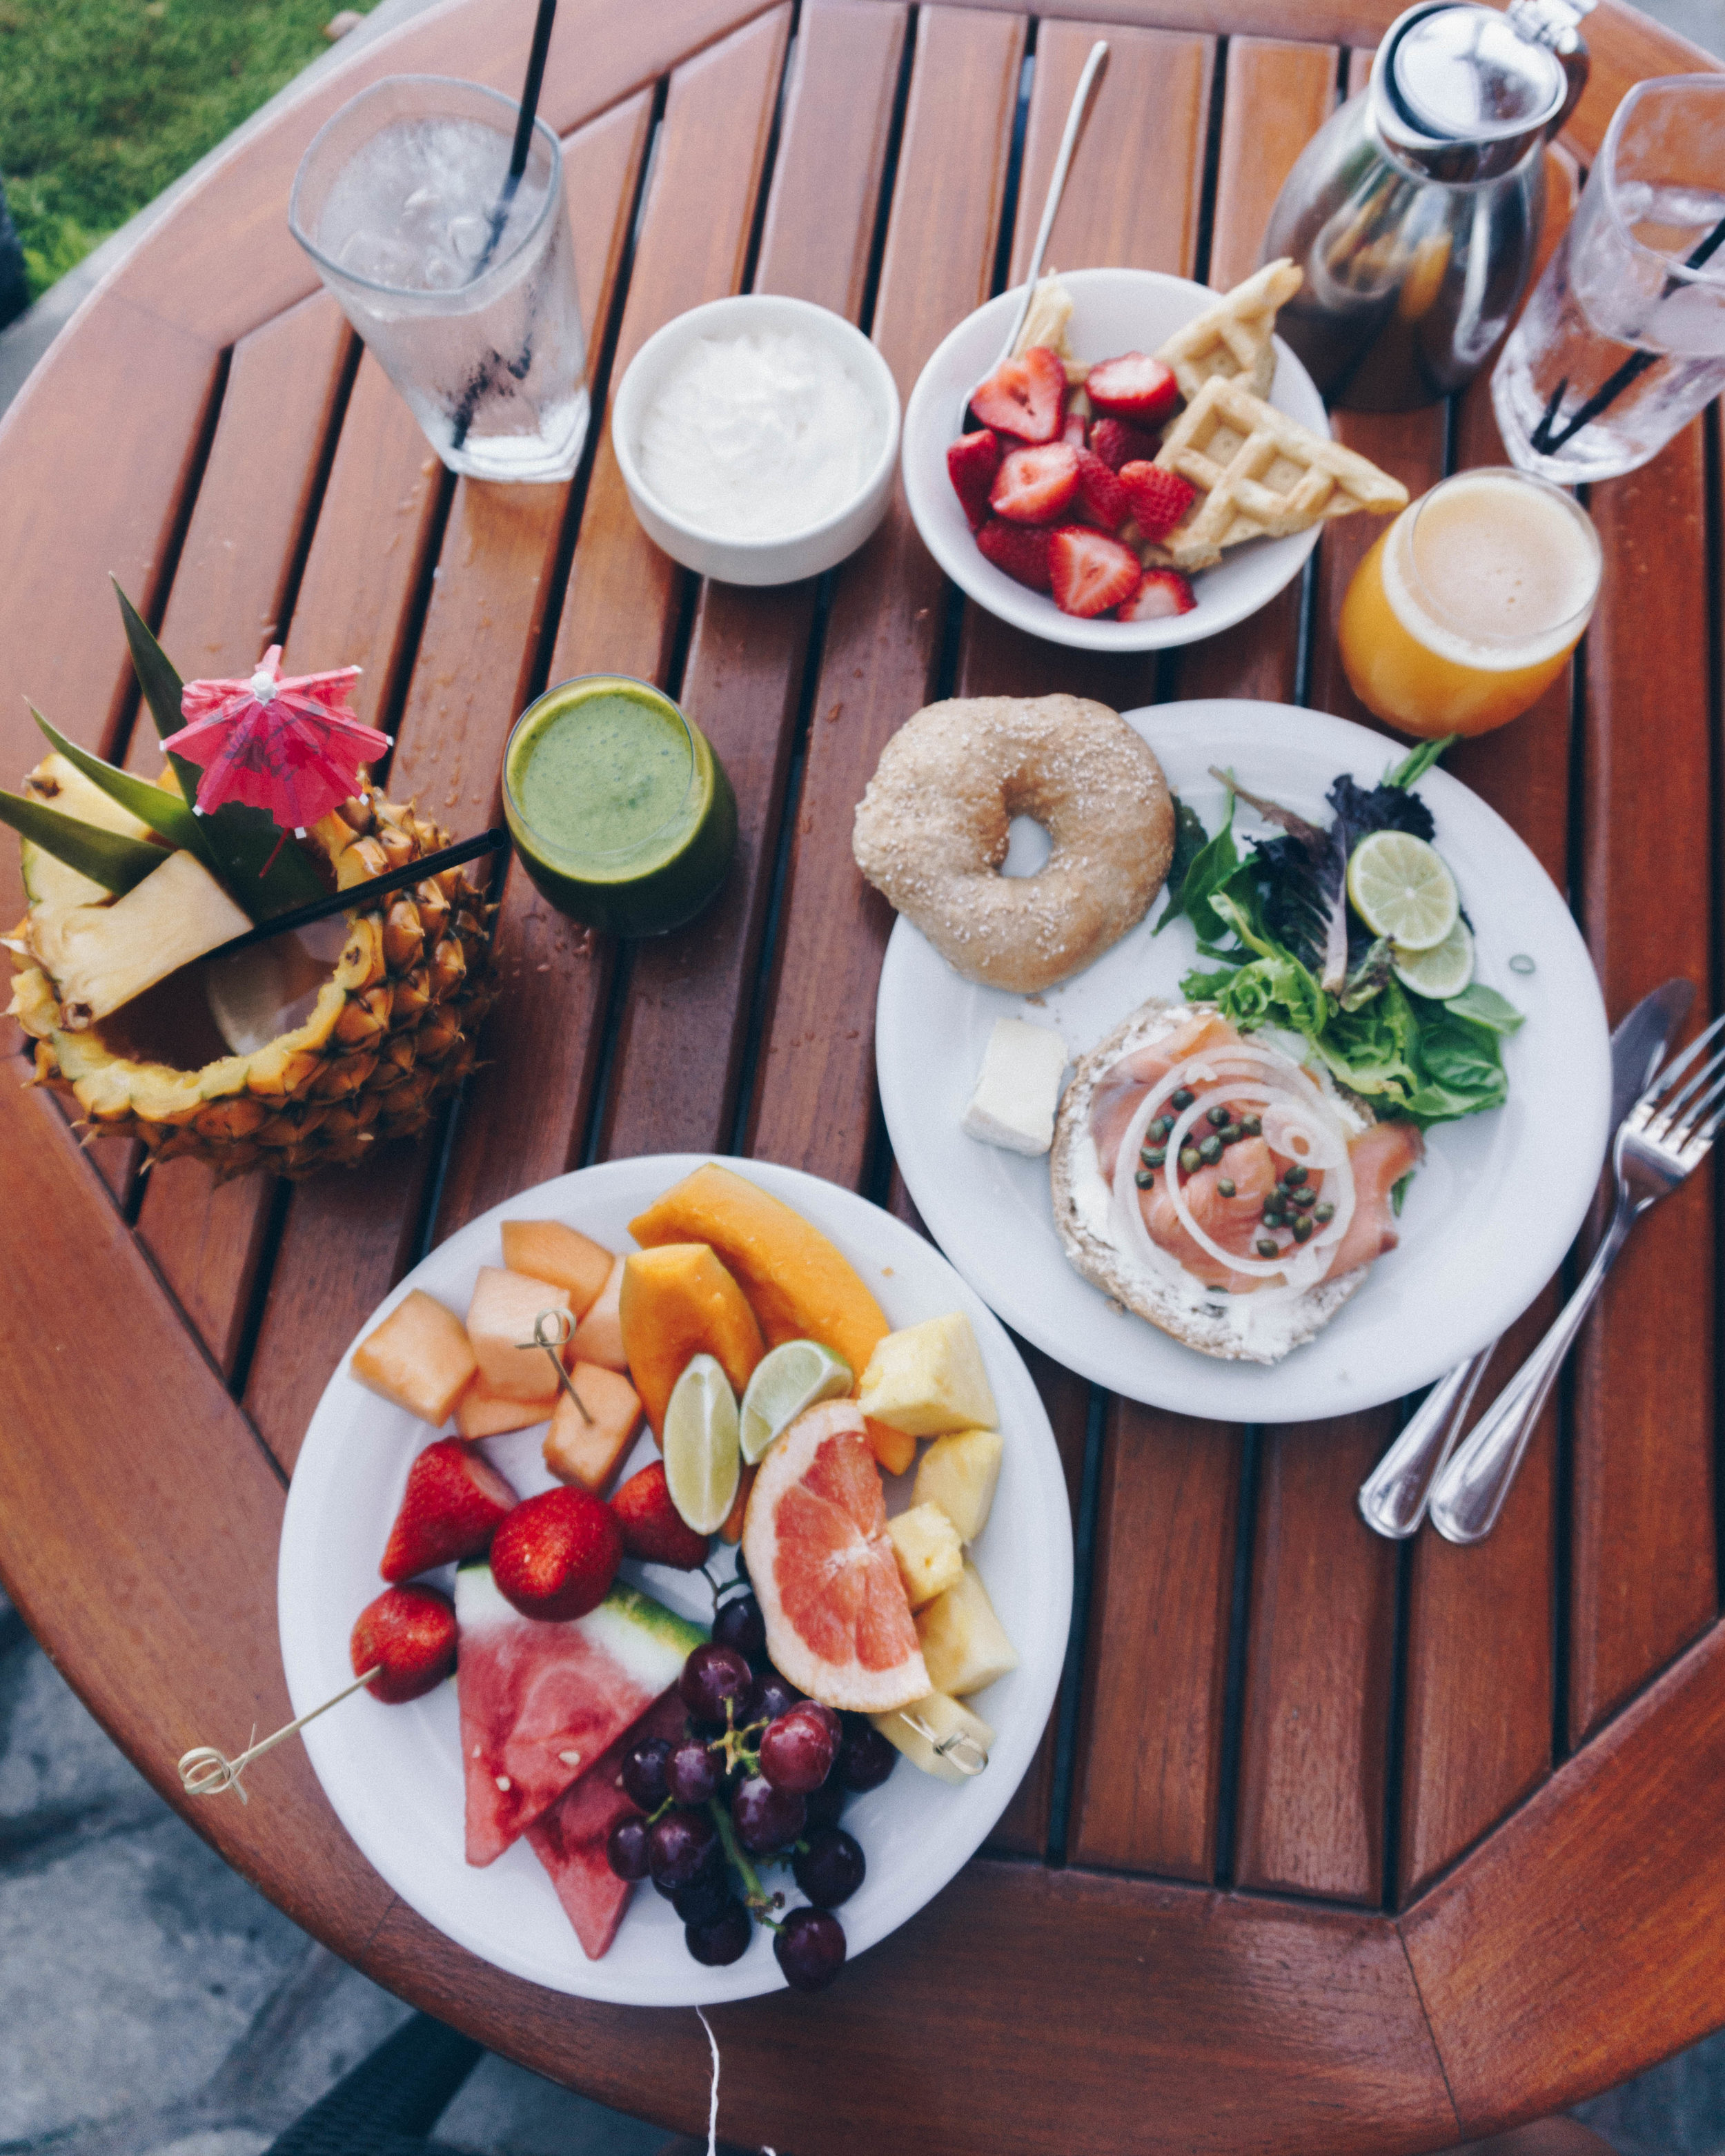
x=799, y=1287
x=677, y=1302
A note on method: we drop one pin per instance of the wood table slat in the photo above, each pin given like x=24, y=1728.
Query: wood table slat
x=1276, y=97
x=1643, y=1557
x=348, y=1239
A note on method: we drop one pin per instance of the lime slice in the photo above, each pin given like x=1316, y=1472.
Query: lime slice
x=702, y=1462
x=792, y=1378
x=1445, y=970
x=1401, y=889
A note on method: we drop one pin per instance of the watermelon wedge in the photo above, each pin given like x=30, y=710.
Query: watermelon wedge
x=541, y=1701
x=569, y=1839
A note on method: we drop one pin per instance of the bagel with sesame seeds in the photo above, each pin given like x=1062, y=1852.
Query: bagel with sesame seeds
x=932, y=831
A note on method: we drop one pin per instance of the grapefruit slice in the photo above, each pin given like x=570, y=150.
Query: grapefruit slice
x=838, y=1622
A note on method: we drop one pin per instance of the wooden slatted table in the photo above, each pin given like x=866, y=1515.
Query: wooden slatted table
x=1332, y=1845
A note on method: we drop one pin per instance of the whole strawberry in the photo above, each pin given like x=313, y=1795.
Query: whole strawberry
x=972, y=463
x=408, y=1636
x=556, y=1555
x=653, y=1528
x=449, y=1510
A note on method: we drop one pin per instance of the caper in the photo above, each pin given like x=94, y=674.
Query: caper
x=1231, y=1134
x=1160, y=1126
x=1273, y=1215
x=1253, y=1126
x=1143, y=1178
x=1266, y=1247
x=1152, y=1156
x=1225, y=1186
x=1302, y=1230
x=1294, y=1175
x=1325, y=1212
x=1209, y=1150
x=1182, y=1097
x=1305, y=1200
x=1218, y=1116
x=1189, y=1160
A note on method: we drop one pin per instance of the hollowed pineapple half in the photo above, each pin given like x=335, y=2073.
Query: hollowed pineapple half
x=391, y=1028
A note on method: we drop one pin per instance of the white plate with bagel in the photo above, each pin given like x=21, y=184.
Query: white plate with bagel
x=1487, y=1217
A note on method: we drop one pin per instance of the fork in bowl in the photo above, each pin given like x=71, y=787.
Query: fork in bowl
x=1664, y=1138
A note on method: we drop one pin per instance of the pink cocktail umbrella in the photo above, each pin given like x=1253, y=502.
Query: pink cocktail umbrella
x=291, y=748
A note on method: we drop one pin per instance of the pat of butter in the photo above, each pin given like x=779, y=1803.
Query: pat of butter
x=1019, y=1088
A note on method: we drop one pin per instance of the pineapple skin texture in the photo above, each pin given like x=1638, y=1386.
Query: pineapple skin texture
x=928, y=1378
x=394, y=1032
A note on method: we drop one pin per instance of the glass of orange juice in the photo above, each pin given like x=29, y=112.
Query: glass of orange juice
x=1469, y=604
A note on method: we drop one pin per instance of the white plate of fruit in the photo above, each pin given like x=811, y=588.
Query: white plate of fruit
x=603, y=1799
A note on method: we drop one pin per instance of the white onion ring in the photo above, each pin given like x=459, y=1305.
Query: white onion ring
x=1322, y=1148
x=1302, y=1264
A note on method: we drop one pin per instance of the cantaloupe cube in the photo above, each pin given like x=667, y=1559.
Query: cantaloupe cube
x=587, y=1452
x=931, y=1557
x=964, y=1644
x=958, y=1473
x=482, y=1412
x=968, y=1737
x=420, y=1356
x=599, y=1338
x=929, y=1378
x=894, y=1448
x=505, y=1308
x=548, y=1251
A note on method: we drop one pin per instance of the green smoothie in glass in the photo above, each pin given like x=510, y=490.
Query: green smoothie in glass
x=619, y=810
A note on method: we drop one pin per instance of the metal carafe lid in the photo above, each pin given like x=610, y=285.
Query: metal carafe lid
x=1460, y=93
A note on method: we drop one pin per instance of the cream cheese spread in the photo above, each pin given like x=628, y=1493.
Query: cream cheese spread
x=759, y=436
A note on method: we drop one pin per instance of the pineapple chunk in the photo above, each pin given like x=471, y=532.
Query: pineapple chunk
x=501, y=1317
x=958, y=1473
x=587, y=1452
x=599, y=1338
x=100, y=957
x=931, y=1558
x=928, y=1379
x=548, y=1251
x=482, y=1412
x=49, y=885
x=420, y=1356
x=964, y=1733
x=964, y=1643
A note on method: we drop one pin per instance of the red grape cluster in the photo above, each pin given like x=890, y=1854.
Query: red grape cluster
x=760, y=1775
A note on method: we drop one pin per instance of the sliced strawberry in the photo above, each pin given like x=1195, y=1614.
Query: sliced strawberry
x=449, y=1510
x=408, y=1636
x=1164, y=591
x=1133, y=386
x=1027, y=395
x=1102, y=493
x=556, y=1555
x=652, y=1526
x=1159, y=498
x=1035, y=486
x=1075, y=427
x=1116, y=443
x=1020, y=550
x=972, y=463
x=1090, y=572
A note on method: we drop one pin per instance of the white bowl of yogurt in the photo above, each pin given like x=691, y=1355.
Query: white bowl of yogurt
x=758, y=437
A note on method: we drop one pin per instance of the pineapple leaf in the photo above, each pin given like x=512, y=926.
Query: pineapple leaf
x=165, y=814
x=110, y=858
x=242, y=846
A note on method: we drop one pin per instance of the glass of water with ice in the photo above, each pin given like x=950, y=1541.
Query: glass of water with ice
x=1622, y=341
x=472, y=314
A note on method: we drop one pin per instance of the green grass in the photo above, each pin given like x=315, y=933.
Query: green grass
x=104, y=102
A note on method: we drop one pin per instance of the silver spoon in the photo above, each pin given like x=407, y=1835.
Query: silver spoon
x=1093, y=67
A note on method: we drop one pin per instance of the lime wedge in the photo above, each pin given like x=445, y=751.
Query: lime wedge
x=792, y=1378
x=1401, y=889
x=1445, y=970
x=702, y=1463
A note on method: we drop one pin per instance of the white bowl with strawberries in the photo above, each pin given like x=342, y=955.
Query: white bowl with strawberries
x=1051, y=509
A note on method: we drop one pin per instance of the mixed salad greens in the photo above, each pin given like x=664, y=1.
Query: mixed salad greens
x=1293, y=952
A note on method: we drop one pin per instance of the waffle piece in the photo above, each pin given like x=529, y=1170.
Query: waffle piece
x=1259, y=474
x=1045, y=324
x=1233, y=338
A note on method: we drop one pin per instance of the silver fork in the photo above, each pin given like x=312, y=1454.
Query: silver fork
x=1665, y=1137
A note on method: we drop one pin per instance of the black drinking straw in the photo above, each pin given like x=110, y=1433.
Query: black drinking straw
x=362, y=894
x=1542, y=440
x=512, y=181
